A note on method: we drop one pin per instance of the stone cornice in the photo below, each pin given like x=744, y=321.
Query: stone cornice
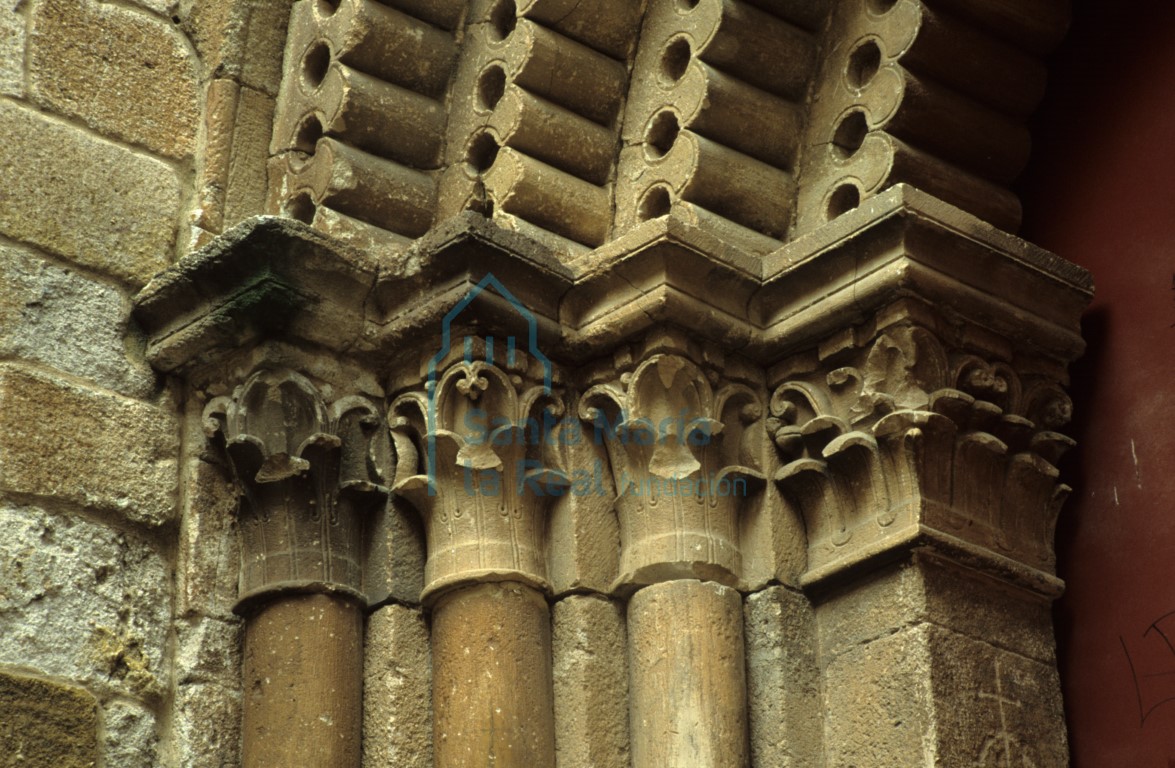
x=278, y=277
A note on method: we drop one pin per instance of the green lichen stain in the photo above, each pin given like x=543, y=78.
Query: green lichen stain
x=121, y=657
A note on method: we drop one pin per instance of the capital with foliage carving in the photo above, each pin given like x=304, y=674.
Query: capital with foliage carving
x=917, y=432
x=310, y=474
x=473, y=449
x=684, y=457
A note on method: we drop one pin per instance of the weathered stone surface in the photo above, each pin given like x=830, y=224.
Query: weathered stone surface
x=12, y=40
x=591, y=683
x=583, y=534
x=232, y=176
x=84, y=198
x=303, y=682
x=125, y=73
x=396, y=554
x=206, y=726
x=241, y=41
x=207, y=651
x=491, y=650
x=129, y=739
x=46, y=724
x=688, y=681
x=87, y=446
x=161, y=7
x=52, y=314
x=932, y=590
x=83, y=602
x=209, y=551
x=247, y=178
x=397, y=690
x=783, y=680
x=306, y=524
x=928, y=696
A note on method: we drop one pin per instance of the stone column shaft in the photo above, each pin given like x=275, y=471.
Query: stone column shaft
x=688, y=680
x=303, y=673
x=492, y=690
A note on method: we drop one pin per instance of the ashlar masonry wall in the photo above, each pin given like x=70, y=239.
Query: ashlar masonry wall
x=106, y=659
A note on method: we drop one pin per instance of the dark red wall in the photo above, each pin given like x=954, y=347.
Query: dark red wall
x=1101, y=193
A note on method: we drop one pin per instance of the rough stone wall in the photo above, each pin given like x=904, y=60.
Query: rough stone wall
x=122, y=124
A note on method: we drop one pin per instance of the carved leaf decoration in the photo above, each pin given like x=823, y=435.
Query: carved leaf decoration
x=470, y=393
x=953, y=404
x=247, y=455
x=903, y=366
x=418, y=491
x=281, y=408
x=1048, y=406
x=667, y=367
x=281, y=466
x=215, y=417
x=421, y=491
x=366, y=449
x=1051, y=446
x=754, y=479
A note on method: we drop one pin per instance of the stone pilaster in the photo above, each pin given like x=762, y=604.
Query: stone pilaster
x=918, y=439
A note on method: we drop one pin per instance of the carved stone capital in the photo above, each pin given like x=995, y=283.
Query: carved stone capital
x=310, y=474
x=909, y=431
x=683, y=449
x=471, y=447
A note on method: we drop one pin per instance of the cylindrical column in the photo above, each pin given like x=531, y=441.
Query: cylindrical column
x=687, y=676
x=303, y=669
x=309, y=475
x=492, y=690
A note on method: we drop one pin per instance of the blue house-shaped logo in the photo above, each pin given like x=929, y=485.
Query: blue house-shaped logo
x=532, y=348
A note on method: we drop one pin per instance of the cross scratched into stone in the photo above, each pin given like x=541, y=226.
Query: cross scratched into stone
x=988, y=756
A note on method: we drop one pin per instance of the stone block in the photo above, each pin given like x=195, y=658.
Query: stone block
x=591, y=683
x=208, y=651
x=12, y=34
x=878, y=703
x=206, y=726
x=583, y=536
x=44, y=723
x=53, y=315
x=84, y=198
x=129, y=739
x=247, y=172
x=83, y=602
x=90, y=447
x=241, y=41
x=396, y=556
x=929, y=589
x=209, y=553
x=397, y=690
x=125, y=73
x=233, y=178
x=783, y=679
x=928, y=696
